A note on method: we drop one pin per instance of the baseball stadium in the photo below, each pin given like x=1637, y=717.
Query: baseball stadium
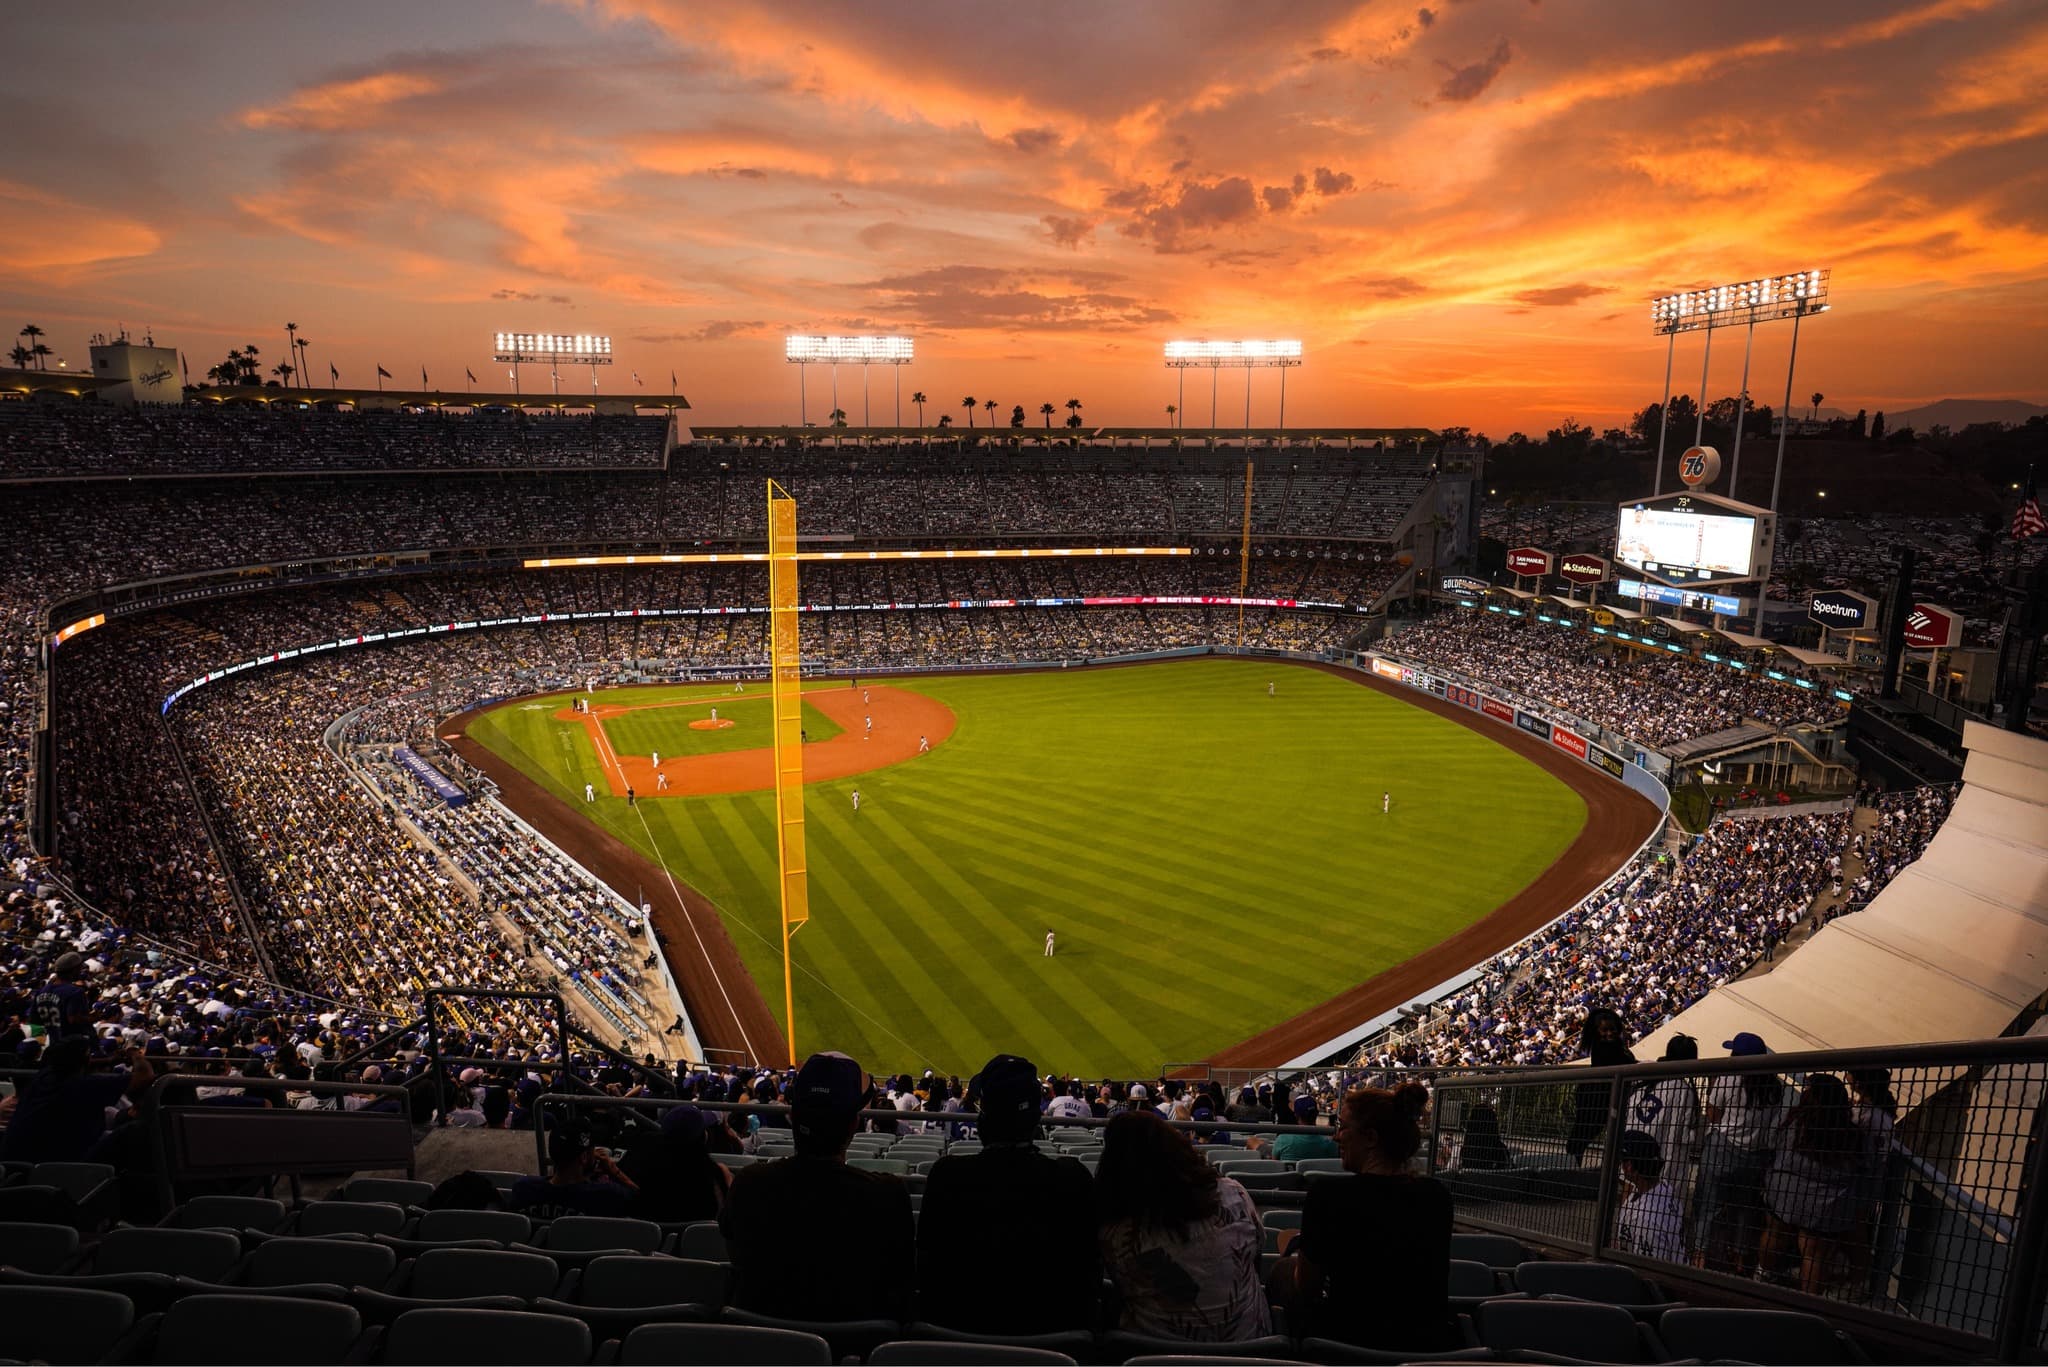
x=544, y=865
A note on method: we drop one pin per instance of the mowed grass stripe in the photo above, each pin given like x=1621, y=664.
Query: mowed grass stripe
x=975, y=930
x=1213, y=859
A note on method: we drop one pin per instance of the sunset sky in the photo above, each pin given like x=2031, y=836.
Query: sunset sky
x=1462, y=208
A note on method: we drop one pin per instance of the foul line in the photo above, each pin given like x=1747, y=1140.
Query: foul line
x=702, y=948
x=805, y=969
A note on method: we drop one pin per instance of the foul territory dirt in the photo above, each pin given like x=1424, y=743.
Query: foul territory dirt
x=726, y=1004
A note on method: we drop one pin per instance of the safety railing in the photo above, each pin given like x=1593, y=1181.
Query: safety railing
x=202, y=1141
x=1901, y=1185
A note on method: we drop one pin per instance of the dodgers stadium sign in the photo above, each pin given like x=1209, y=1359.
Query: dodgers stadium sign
x=1842, y=610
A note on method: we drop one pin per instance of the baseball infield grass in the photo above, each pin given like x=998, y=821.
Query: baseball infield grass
x=1212, y=860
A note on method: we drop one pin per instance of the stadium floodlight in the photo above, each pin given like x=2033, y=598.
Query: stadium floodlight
x=803, y=350
x=1251, y=355
x=1767, y=299
x=576, y=348
x=852, y=350
x=1746, y=301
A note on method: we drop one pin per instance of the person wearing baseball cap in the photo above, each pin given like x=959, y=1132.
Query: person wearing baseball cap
x=809, y=1237
x=61, y=1006
x=583, y=1179
x=1006, y=1237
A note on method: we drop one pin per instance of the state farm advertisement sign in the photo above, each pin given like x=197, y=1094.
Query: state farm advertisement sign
x=1584, y=569
x=1929, y=627
x=1527, y=560
x=1568, y=740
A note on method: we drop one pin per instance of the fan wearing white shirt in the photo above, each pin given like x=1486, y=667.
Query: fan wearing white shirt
x=1649, y=1223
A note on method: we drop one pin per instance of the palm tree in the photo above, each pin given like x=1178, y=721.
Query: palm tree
x=1073, y=412
x=990, y=406
x=224, y=374
x=284, y=370
x=251, y=366
x=1170, y=411
x=21, y=356
x=968, y=404
x=1046, y=408
x=919, y=399
x=35, y=345
x=945, y=421
x=42, y=355
x=839, y=417
x=291, y=345
x=1817, y=397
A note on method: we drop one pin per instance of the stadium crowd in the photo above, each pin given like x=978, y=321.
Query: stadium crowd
x=83, y=439
x=1653, y=697
x=1663, y=935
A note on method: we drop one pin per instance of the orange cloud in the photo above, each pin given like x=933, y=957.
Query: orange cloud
x=341, y=104
x=47, y=234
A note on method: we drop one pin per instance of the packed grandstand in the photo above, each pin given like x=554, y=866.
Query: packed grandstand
x=251, y=886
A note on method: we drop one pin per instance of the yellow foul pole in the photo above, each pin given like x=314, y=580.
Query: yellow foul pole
x=785, y=681
x=1244, y=552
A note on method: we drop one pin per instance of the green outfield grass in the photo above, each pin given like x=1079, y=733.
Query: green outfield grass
x=1212, y=860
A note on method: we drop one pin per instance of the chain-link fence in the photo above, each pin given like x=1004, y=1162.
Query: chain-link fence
x=1901, y=1182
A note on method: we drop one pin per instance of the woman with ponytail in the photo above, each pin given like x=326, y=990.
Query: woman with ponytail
x=1375, y=1248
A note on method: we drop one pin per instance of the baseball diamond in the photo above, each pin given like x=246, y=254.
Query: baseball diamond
x=1214, y=859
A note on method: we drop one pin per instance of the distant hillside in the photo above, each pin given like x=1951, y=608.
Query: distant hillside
x=1956, y=414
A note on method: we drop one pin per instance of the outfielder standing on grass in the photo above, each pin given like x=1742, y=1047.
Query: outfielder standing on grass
x=1386, y=803
x=1048, y=944
x=856, y=799
x=590, y=792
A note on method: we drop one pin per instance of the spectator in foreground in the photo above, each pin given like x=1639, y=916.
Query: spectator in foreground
x=679, y=1180
x=1817, y=1179
x=1307, y=1140
x=584, y=1179
x=1743, y=1115
x=809, y=1237
x=1650, y=1222
x=1006, y=1238
x=1180, y=1241
x=1605, y=1040
x=1373, y=1263
x=1668, y=1110
x=61, y=1116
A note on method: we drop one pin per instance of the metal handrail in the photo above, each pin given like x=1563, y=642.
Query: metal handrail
x=154, y=1109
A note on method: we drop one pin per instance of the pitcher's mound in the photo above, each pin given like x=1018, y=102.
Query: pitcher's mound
x=708, y=725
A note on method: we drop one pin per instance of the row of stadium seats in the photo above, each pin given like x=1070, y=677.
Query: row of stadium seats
x=79, y=1324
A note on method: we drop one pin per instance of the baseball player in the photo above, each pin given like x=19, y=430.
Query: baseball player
x=714, y=714
x=856, y=799
x=924, y=745
x=863, y=697
x=1048, y=944
x=1386, y=803
x=1269, y=688
x=632, y=798
x=869, y=734
x=590, y=792
x=655, y=759
x=660, y=781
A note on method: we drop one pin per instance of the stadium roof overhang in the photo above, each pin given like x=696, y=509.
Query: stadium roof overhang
x=1959, y=940
x=76, y=384
x=432, y=398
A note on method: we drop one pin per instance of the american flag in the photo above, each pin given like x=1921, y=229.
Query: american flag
x=2028, y=521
